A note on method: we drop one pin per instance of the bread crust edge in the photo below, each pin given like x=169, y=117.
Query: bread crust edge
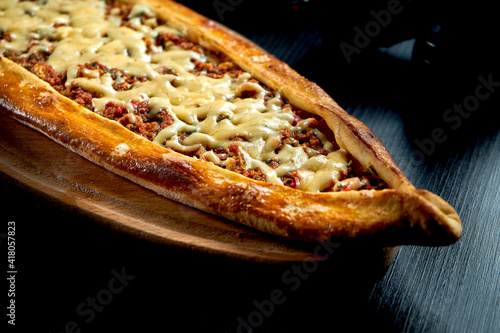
x=397, y=216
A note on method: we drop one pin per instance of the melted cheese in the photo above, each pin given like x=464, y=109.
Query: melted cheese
x=196, y=103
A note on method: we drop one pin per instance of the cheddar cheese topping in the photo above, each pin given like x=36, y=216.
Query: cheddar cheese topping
x=125, y=64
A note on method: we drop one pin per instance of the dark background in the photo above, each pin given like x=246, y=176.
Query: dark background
x=63, y=258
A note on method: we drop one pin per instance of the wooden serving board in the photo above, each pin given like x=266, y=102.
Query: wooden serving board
x=73, y=182
x=54, y=171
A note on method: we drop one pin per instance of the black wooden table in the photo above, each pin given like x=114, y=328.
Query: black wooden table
x=78, y=276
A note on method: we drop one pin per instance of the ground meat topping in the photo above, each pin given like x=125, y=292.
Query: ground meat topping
x=184, y=97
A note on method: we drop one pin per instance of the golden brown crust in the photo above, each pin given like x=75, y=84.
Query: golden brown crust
x=401, y=215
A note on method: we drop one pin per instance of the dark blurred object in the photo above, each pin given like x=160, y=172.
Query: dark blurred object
x=453, y=43
x=444, y=47
x=445, y=34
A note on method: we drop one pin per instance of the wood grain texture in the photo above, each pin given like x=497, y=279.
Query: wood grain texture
x=457, y=288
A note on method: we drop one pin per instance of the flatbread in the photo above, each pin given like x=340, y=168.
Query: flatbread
x=398, y=214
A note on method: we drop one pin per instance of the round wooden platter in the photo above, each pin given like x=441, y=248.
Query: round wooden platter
x=73, y=182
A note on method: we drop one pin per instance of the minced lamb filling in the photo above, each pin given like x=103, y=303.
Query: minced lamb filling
x=122, y=62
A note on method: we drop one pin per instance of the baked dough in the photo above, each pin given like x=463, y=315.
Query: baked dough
x=394, y=216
